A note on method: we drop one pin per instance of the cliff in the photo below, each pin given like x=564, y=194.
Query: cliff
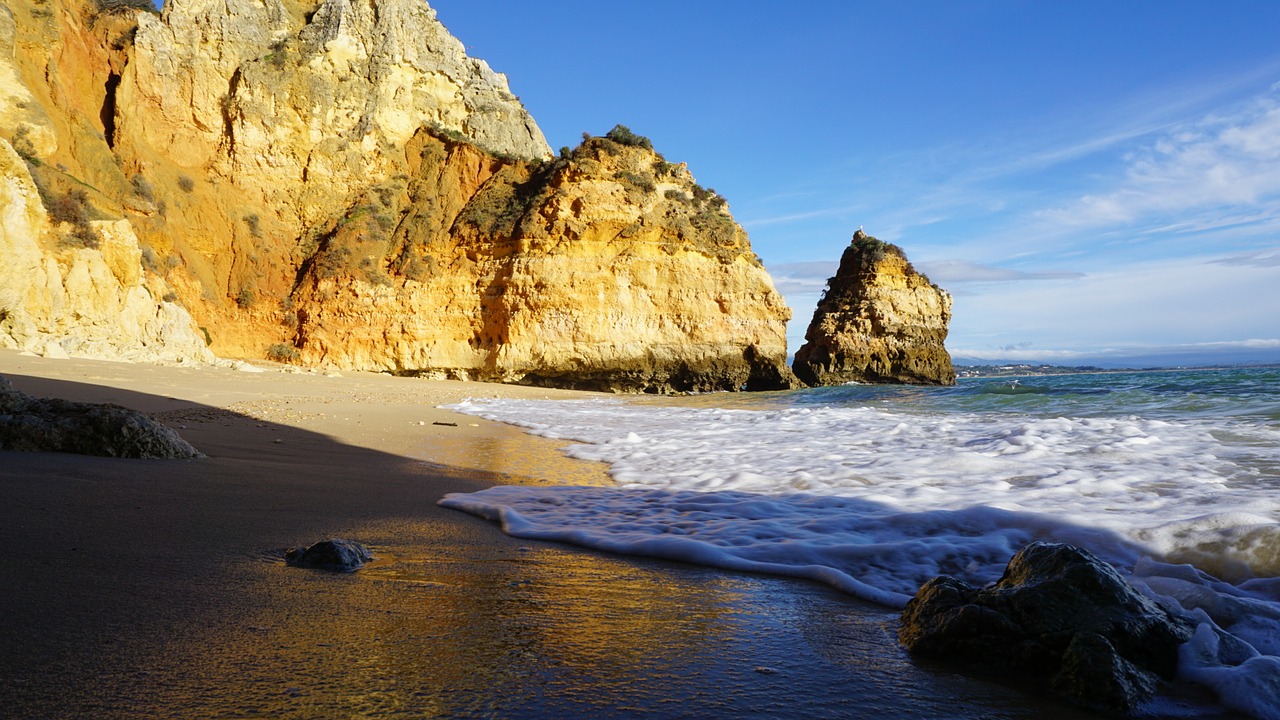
x=337, y=183
x=72, y=280
x=607, y=268
x=880, y=321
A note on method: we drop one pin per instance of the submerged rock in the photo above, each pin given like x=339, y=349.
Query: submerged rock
x=336, y=555
x=880, y=321
x=1059, y=616
x=55, y=425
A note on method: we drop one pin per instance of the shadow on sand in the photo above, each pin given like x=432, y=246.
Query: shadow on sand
x=154, y=588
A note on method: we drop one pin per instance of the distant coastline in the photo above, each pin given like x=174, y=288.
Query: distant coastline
x=1026, y=370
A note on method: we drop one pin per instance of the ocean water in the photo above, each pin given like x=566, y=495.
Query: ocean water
x=1173, y=477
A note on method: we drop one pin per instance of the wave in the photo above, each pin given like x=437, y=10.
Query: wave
x=875, y=502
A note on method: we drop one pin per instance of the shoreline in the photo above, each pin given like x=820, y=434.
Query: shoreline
x=156, y=588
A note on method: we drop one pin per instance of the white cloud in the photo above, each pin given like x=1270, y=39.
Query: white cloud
x=1215, y=164
x=964, y=271
x=1154, y=304
x=1197, y=353
x=1252, y=344
x=1262, y=258
x=802, y=278
x=791, y=218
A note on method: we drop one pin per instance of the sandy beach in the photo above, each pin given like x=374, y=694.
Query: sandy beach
x=144, y=588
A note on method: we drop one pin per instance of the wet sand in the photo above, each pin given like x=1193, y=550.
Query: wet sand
x=155, y=589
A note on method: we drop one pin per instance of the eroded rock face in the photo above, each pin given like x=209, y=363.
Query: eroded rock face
x=1059, y=616
x=59, y=296
x=880, y=321
x=276, y=97
x=609, y=270
x=54, y=425
x=337, y=182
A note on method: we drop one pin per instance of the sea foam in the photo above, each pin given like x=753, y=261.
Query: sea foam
x=875, y=502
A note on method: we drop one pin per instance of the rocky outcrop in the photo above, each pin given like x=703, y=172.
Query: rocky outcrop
x=337, y=183
x=334, y=555
x=608, y=269
x=1059, y=616
x=303, y=102
x=74, y=286
x=880, y=321
x=53, y=425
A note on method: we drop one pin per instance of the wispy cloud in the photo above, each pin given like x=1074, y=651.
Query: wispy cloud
x=1264, y=258
x=802, y=278
x=1252, y=344
x=791, y=218
x=964, y=271
x=1217, y=163
x=1192, y=301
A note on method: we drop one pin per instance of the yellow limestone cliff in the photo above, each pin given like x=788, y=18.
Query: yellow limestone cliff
x=880, y=321
x=337, y=183
x=72, y=281
x=607, y=268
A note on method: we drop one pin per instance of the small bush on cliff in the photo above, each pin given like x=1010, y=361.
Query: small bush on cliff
x=662, y=168
x=282, y=353
x=622, y=135
x=114, y=6
x=873, y=250
x=142, y=188
x=73, y=207
x=150, y=260
x=639, y=181
x=24, y=145
x=186, y=184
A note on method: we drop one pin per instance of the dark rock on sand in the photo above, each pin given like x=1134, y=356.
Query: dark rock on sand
x=1059, y=616
x=336, y=555
x=54, y=425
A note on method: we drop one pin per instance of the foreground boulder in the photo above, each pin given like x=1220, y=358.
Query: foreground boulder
x=1059, y=616
x=880, y=321
x=336, y=555
x=54, y=425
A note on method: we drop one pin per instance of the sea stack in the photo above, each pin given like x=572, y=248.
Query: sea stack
x=880, y=321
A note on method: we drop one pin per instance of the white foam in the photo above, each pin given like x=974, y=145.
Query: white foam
x=1152, y=482
x=876, y=502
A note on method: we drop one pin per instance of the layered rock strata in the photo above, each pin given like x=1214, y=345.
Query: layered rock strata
x=78, y=286
x=607, y=269
x=337, y=183
x=880, y=321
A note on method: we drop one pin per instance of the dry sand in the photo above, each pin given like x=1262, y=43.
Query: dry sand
x=137, y=589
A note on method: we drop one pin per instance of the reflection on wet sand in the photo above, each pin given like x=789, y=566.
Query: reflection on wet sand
x=507, y=452
x=551, y=632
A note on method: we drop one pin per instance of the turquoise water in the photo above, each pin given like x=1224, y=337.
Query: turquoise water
x=1172, y=477
x=1245, y=393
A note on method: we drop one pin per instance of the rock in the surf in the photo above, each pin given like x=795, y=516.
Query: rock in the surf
x=335, y=554
x=1060, y=617
x=55, y=425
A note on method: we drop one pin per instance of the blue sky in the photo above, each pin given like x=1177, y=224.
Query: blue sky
x=1094, y=182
